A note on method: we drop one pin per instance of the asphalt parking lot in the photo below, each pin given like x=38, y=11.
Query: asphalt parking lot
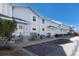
x=51, y=48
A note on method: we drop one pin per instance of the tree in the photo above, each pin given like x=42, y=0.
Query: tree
x=7, y=27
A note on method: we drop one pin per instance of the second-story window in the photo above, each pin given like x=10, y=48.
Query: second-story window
x=43, y=29
x=34, y=18
x=43, y=21
x=34, y=29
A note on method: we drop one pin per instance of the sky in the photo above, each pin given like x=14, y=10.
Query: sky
x=67, y=13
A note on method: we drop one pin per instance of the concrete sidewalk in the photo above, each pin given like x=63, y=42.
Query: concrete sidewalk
x=76, y=52
x=25, y=43
x=77, y=49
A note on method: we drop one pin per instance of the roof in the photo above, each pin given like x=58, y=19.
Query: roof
x=57, y=22
x=5, y=16
x=13, y=4
x=51, y=20
x=37, y=13
x=29, y=8
x=2, y=15
x=19, y=19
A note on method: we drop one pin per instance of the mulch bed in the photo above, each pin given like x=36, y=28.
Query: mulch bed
x=11, y=52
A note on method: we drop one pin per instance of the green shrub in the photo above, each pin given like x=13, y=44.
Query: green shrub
x=7, y=27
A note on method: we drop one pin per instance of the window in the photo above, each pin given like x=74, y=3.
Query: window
x=20, y=27
x=43, y=29
x=34, y=18
x=43, y=21
x=34, y=29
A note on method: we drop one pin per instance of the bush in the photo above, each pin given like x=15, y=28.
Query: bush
x=56, y=35
x=59, y=35
x=7, y=27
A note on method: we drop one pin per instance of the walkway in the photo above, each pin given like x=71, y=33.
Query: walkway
x=20, y=45
x=76, y=51
x=25, y=43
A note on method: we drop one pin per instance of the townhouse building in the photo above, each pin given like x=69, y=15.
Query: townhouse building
x=64, y=29
x=52, y=27
x=28, y=21
x=6, y=11
x=29, y=15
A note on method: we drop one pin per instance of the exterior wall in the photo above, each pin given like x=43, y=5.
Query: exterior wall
x=60, y=28
x=9, y=9
x=53, y=30
x=24, y=30
x=3, y=8
x=64, y=29
x=27, y=14
x=6, y=9
x=42, y=26
x=34, y=24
